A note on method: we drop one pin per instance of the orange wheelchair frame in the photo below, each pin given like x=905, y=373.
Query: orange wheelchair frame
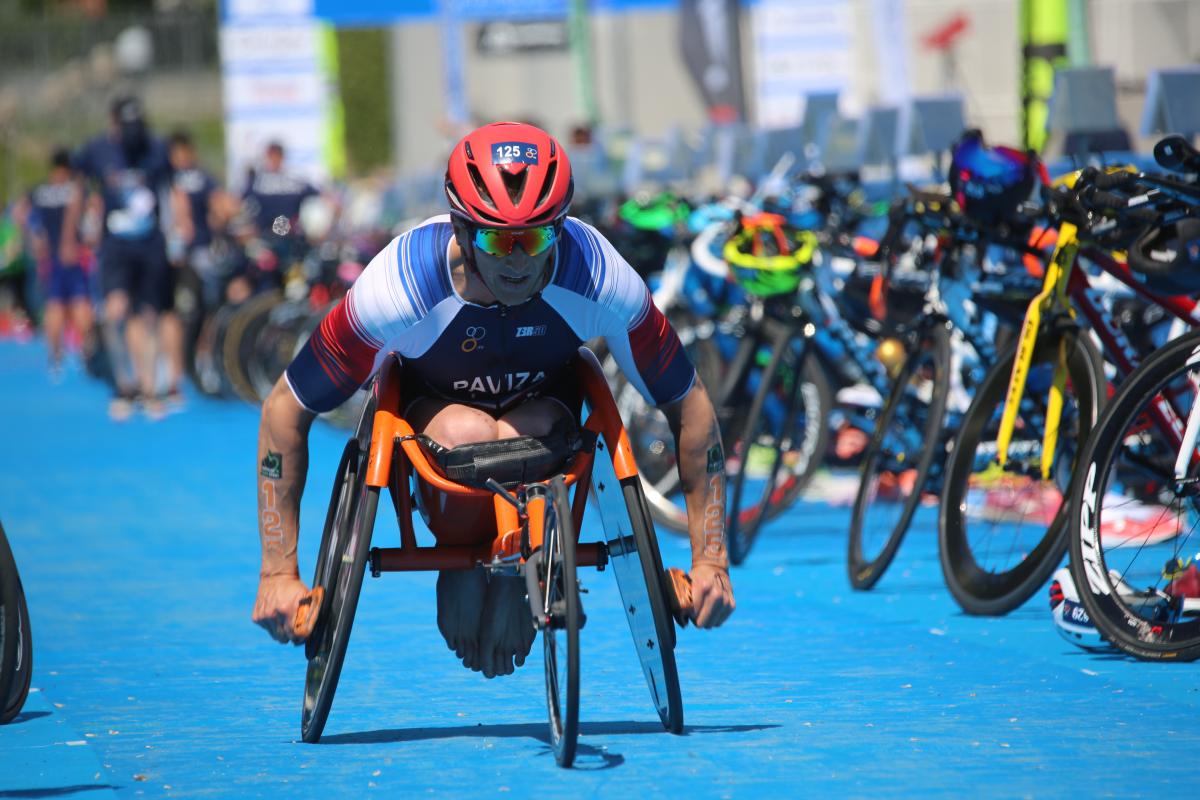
x=537, y=528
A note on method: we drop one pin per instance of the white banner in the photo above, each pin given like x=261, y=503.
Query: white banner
x=800, y=46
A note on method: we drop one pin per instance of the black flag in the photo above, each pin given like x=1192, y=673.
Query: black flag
x=709, y=36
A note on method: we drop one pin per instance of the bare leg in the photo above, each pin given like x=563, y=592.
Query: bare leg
x=52, y=322
x=82, y=319
x=506, y=632
x=142, y=341
x=116, y=315
x=170, y=334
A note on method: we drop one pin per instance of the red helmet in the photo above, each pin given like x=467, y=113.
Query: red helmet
x=509, y=175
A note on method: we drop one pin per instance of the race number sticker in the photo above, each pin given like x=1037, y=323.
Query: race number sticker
x=514, y=153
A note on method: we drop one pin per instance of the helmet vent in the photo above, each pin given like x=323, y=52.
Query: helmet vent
x=547, y=184
x=514, y=184
x=480, y=186
x=467, y=147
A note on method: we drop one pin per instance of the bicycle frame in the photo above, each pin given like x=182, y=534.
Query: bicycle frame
x=1064, y=283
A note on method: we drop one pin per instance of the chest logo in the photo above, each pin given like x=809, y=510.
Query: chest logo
x=475, y=333
x=531, y=330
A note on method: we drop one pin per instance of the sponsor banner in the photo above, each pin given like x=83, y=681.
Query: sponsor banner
x=279, y=84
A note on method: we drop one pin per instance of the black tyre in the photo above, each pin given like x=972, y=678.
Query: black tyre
x=341, y=564
x=1130, y=517
x=239, y=342
x=906, y=441
x=561, y=620
x=1002, y=531
x=16, y=641
x=777, y=446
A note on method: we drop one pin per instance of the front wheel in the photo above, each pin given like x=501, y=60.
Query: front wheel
x=776, y=450
x=1002, y=529
x=1133, y=535
x=907, y=439
x=560, y=623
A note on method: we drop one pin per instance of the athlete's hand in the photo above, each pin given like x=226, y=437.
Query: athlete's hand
x=712, y=595
x=275, y=608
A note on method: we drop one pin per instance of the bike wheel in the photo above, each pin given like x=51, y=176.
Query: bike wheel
x=779, y=444
x=906, y=441
x=560, y=623
x=1130, y=515
x=341, y=564
x=16, y=643
x=1002, y=531
x=239, y=342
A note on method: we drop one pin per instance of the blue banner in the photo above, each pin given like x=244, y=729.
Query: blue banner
x=385, y=12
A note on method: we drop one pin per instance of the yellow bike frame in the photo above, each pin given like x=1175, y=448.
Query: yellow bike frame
x=1053, y=297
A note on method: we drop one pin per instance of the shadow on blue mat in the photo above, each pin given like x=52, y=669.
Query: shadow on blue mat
x=528, y=730
x=27, y=716
x=58, y=791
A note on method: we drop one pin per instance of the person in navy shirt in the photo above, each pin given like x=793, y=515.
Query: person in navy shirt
x=55, y=209
x=272, y=192
x=487, y=307
x=127, y=167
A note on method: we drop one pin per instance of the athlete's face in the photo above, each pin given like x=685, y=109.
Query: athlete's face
x=516, y=277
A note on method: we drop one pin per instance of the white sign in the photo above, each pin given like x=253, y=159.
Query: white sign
x=800, y=46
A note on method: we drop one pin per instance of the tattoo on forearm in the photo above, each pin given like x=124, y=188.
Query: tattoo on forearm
x=272, y=465
x=714, y=515
x=272, y=529
x=716, y=459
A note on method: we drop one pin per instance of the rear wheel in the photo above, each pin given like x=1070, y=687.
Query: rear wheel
x=1002, y=530
x=560, y=623
x=907, y=439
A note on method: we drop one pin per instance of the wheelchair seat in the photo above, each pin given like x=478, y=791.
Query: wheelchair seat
x=510, y=462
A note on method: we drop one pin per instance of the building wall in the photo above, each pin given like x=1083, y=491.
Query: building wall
x=641, y=81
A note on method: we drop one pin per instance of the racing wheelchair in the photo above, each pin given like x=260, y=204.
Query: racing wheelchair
x=537, y=521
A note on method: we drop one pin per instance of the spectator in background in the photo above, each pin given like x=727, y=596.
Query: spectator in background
x=55, y=212
x=272, y=192
x=127, y=167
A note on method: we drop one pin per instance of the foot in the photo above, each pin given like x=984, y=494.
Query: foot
x=173, y=401
x=153, y=408
x=121, y=407
x=506, y=631
x=460, y=597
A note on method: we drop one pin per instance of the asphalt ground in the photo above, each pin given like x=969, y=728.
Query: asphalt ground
x=138, y=550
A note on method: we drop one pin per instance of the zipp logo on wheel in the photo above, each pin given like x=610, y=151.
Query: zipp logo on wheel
x=474, y=334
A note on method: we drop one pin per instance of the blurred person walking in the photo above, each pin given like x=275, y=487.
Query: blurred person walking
x=128, y=168
x=55, y=212
x=194, y=213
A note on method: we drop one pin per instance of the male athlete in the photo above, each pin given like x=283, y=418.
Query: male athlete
x=486, y=308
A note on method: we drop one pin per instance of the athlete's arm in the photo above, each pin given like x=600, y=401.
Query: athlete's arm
x=602, y=295
x=282, y=468
x=702, y=477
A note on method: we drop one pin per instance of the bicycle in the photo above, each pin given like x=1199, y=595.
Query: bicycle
x=1136, y=508
x=1014, y=460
